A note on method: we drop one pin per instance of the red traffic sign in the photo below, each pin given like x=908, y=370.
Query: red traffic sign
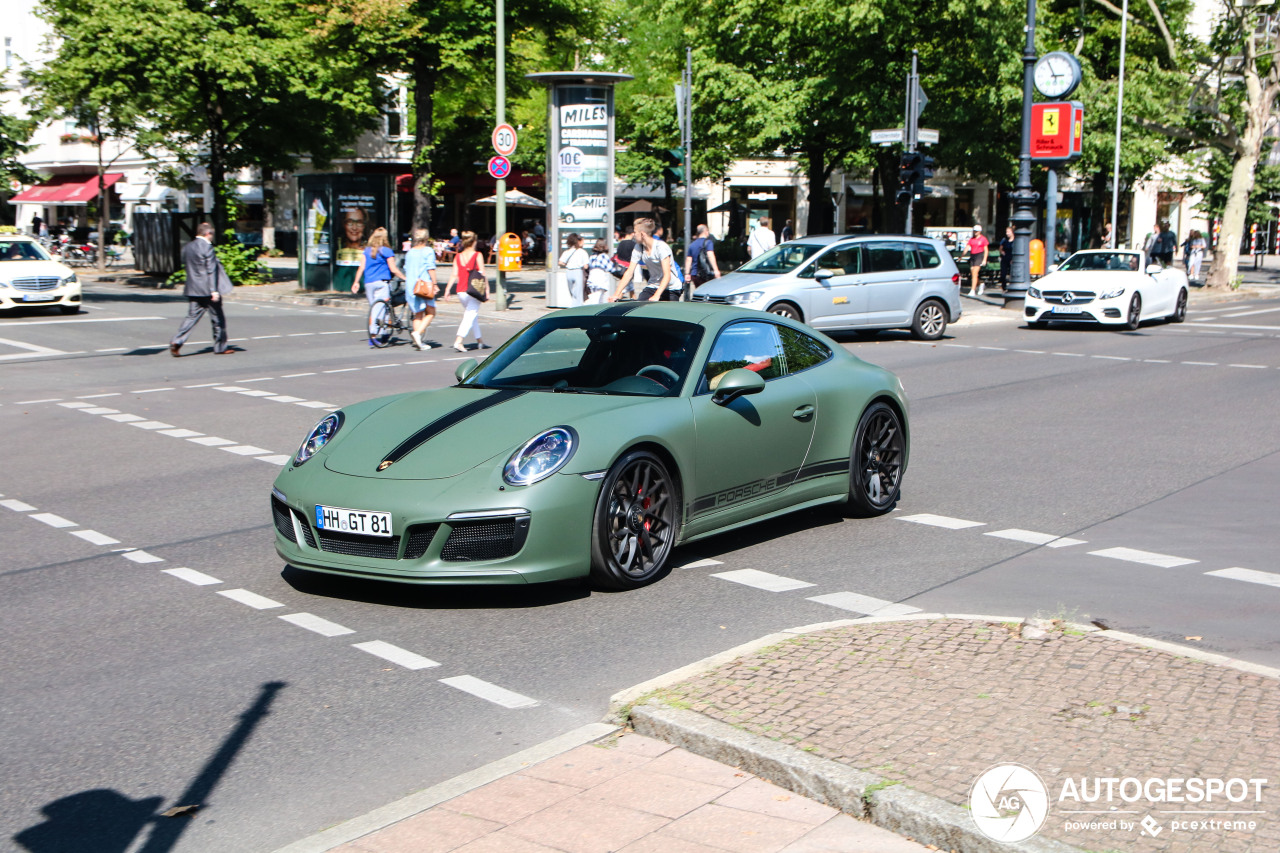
x=499, y=167
x=504, y=140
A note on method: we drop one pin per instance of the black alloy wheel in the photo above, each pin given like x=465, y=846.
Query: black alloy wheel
x=1180, y=310
x=1135, y=313
x=879, y=447
x=930, y=321
x=635, y=522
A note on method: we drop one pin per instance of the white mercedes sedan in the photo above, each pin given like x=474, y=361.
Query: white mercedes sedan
x=1110, y=286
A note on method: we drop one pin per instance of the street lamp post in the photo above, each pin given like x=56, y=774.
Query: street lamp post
x=500, y=208
x=1024, y=197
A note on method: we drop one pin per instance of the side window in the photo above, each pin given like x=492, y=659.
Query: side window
x=802, y=351
x=928, y=255
x=846, y=260
x=890, y=256
x=751, y=345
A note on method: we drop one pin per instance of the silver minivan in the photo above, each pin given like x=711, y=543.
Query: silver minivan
x=849, y=283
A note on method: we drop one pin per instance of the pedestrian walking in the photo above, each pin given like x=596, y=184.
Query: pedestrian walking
x=1166, y=243
x=788, y=233
x=1196, y=243
x=377, y=268
x=700, y=263
x=467, y=261
x=574, y=260
x=622, y=255
x=207, y=282
x=979, y=247
x=761, y=239
x=599, y=273
x=1006, y=257
x=653, y=257
x=420, y=273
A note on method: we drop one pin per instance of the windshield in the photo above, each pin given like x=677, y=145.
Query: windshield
x=21, y=250
x=1101, y=261
x=597, y=354
x=782, y=258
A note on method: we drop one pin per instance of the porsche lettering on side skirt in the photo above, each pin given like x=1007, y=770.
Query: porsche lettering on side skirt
x=752, y=490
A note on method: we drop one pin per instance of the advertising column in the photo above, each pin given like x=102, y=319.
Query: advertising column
x=339, y=213
x=579, y=169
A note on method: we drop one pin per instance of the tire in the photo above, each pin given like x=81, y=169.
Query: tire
x=69, y=309
x=930, y=321
x=635, y=522
x=1180, y=310
x=786, y=309
x=381, y=323
x=1134, y=318
x=875, y=462
x=567, y=218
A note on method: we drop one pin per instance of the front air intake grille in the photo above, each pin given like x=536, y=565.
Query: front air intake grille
x=284, y=524
x=35, y=285
x=485, y=540
x=301, y=523
x=418, y=540
x=357, y=545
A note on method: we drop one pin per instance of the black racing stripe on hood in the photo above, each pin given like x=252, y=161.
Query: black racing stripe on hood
x=441, y=424
x=620, y=309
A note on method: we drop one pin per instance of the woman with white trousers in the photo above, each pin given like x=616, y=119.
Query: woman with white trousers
x=467, y=260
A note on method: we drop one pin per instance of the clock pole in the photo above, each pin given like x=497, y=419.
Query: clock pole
x=1024, y=197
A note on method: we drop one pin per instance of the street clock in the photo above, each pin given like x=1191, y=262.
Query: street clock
x=1057, y=74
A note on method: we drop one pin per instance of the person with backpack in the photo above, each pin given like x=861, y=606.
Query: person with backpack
x=700, y=263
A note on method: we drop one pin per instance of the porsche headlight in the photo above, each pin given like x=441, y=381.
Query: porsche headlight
x=743, y=298
x=321, y=435
x=1033, y=293
x=541, y=456
x=1112, y=294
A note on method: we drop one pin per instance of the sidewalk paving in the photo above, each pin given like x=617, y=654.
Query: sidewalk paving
x=869, y=735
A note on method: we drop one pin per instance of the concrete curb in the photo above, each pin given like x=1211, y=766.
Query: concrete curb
x=420, y=801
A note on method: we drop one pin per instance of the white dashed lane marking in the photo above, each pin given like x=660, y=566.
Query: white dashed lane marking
x=941, y=521
x=252, y=599
x=1248, y=575
x=211, y=441
x=192, y=576
x=1034, y=538
x=181, y=433
x=701, y=564
x=76, y=405
x=395, y=654
x=865, y=604
x=311, y=622
x=1148, y=558
x=53, y=520
x=152, y=425
x=125, y=418
x=140, y=556
x=100, y=410
x=247, y=450
x=762, y=580
x=16, y=506
x=489, y=692
x=93, y=537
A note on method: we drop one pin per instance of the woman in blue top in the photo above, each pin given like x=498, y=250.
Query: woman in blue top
x=376, y=268
x=420, y=265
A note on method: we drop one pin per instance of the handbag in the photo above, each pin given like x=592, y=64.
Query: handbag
x=478, y=286
x=424, y=289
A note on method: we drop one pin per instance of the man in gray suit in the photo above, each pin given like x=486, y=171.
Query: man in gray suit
x=207, y=281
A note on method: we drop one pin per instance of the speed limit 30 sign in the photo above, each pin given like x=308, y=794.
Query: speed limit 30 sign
x=504, y=140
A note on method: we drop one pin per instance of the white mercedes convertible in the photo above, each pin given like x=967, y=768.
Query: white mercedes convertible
x=1110, y=286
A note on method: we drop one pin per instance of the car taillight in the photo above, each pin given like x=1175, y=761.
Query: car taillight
x=955, y=279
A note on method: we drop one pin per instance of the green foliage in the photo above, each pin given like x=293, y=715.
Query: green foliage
x=239, y=260
x=14, y=133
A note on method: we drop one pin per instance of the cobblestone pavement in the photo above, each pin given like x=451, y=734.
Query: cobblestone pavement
x=932, y=704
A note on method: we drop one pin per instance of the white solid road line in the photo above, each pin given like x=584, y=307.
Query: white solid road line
x=85, y=320
x=53, y=520
x=33, y=402
x=31, y=349
x=489, y=692
x=1251, y=313
x=1034, y=538
x=762, y=580
x=395, y=654
x=941, y=521
x=1237, y=326
x=94, y=537
x=857, y=603
x=192, y=576
x=252, y=599
x=1249, y=575
x=1147, y=558
x=311, y=622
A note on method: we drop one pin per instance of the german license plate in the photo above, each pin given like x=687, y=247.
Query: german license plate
x=38, y=297
x=362, y=521
x=1067, y=309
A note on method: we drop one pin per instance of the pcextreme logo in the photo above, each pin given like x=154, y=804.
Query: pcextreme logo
x=1009, y=803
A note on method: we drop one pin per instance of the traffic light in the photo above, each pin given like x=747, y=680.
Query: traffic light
x=908, y=176
x=673, y=172
x=924, y=173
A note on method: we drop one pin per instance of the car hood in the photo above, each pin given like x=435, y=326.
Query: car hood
x=9, y=270
x=1091, y=280
x=443, y=433
x=737, y=281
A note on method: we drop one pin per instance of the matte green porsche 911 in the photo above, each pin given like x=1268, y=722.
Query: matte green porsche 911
x=589, y=445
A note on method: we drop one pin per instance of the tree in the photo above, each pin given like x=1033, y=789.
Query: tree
x=14, y=133
x=227, y=84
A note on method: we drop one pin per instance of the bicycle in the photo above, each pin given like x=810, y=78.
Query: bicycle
x=388, y=316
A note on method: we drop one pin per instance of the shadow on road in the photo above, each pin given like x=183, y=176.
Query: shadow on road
x=106, y=821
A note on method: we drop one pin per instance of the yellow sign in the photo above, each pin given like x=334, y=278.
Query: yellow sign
x=1049, y=124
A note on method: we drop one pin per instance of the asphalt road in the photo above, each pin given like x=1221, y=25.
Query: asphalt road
x=158, y=654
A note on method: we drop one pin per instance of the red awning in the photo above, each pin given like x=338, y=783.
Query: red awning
x=65, y=189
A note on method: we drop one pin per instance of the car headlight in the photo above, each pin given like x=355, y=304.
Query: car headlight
x=541, y=456
x=321, y=435
x=71, y=279
x=743, y=298
x=1033, y=293
x=1112, y=294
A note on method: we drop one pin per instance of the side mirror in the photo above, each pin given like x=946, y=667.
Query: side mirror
x=734, y=384
x=823, y=275
x=1152, y=269
x=1053, y=268
x=464, y=369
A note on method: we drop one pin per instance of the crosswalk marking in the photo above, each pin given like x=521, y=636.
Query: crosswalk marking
x=1249, y=575
x=762, y=580
x=1149, y=558
x=941, y=521
x=864, y=604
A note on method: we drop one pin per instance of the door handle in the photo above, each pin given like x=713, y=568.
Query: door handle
x=803, y=413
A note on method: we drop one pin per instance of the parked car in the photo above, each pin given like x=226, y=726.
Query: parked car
x=589, y=445
x=29, y=276
x=592, y=208
x=1115, y=288
x=849, y=283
